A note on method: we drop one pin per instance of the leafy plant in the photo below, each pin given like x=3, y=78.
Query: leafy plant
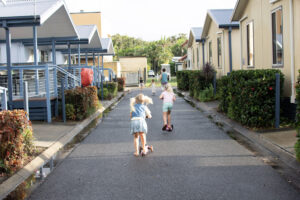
x=82, y=99
x=207, y=94
x=16, y=140
x=121, y=84
x=70, y=112
x=110, y=90
x=248, y=96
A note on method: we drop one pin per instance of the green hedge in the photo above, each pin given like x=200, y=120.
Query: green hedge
x=297, y=145
x=16, y=140
x=248, y=96
x=110, y=90
x=183, y=80
x=121, y=84
x=81, y=102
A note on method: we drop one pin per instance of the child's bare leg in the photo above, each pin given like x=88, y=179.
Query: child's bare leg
x=143, y=140
x=165, y=118
x=169, y=118
x=136, y=143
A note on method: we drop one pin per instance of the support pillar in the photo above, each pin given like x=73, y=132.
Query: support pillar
x=230, y=49
x=35, y=55
x=9, y=73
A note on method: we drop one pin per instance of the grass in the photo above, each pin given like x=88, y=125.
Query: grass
x=173, y=82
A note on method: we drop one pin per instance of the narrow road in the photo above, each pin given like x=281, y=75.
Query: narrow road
x=196, y=161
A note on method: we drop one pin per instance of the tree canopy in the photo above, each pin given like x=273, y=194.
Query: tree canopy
x=157, y=52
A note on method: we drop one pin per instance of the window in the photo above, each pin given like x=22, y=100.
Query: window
x=277, y=39
x=44, y=56
x=250, y=45
x=209, y=52
x=198, y=57
x=219, y=52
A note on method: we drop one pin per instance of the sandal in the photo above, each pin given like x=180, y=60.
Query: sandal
x=165, y=127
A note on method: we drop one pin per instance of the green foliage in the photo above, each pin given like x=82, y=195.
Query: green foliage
x=248, y=96
x=121, y=84
x=207, y=94
x=297, y=150
x=183, y=80
x=70, y=112
x=172, y=67
x=297, y=124
x=110, y=90
x=84, y=101
x=16, y=140
x=157, y=52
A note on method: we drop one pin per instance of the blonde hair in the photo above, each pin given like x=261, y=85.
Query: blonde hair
x=168, y=88
x=140, y=99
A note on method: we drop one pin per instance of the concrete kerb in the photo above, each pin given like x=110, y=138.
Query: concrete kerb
x=14, y=181
x=228, y=125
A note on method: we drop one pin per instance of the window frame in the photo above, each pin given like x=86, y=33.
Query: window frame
x=219, y=44
x=276, y=65
x=247, y=44
x=210, y=57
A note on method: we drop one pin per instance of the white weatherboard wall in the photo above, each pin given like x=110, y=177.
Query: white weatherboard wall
x=19, y=53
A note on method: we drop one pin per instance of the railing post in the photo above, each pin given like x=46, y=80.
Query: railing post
x=215, y=83
x=63, y=101
x=35, y=54
x=55, y=89
x=21, y=81
x=48, y=100
x=277, y=101
x=26, y=100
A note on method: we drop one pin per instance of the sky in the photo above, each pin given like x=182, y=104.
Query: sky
x=149, y=19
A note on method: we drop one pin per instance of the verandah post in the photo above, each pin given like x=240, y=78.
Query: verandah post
x=35, y=55
x=8, y=61
x=48, y=100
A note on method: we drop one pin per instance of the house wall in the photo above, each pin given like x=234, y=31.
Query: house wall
x=19, y=53
x=133, y=64
x=115, y=66
x=88, y=18
x=197, y=65
x=259, y=11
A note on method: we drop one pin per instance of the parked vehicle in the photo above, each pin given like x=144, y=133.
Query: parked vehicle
x=151, y=73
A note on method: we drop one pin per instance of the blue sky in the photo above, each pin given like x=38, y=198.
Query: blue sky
x=149, y=19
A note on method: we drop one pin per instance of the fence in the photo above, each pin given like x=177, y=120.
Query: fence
x=44, y=84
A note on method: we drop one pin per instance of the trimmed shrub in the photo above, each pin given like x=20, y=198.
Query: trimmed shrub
x=248, y=96
x=183, y=80
x=297, y=145
x=110, y=90
x=121, y=84
x=70, y=112
x=16, y=140
x=84, y=101
x=207, y=94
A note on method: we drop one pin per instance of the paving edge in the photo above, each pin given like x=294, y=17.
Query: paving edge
x=265, y=145
x=19, y=177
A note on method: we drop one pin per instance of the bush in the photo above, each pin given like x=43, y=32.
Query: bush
x=121, y=84
x=84, y=101
x=16, y=140
x=248, y=96
x=70, y=112
x=183, y=80
x=110, y=90
x=297, y=145
x=207, y=94
x=297, y=150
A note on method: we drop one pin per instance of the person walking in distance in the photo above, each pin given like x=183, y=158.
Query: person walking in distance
x=164, y=78
x=168, y=98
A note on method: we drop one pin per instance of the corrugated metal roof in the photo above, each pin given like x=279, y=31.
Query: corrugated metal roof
x=86, y=31
x=107, y=44
x=42, y=8
x=222, y=16
x=197, y=31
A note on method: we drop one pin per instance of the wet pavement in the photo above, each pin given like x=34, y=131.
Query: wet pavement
x=196, y=161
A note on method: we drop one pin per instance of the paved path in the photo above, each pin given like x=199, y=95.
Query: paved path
x=196, y=161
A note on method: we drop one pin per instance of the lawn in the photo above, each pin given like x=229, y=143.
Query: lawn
x=173, y=82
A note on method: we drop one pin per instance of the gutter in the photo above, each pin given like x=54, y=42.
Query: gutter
x=293, y=96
